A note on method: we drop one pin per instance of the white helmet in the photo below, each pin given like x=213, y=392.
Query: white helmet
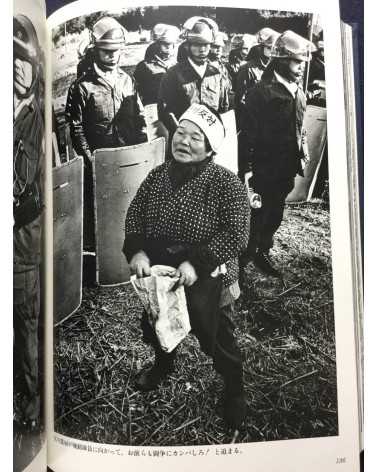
x=293, y=46
x=200, y=33
x=220, y=39
x=165, y=33
x=190, y=22
x=267, y=37
x=244, y=40
x=108, y=34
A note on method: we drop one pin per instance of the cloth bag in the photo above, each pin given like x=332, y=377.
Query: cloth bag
x=166, y=308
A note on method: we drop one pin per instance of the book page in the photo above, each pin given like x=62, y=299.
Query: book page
x=267, y=379
x=29, y=202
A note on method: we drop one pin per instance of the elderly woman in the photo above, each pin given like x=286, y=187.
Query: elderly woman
x=193, y=214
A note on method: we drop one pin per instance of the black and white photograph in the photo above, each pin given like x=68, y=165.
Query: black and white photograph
x=193, y=282
x=28, y=211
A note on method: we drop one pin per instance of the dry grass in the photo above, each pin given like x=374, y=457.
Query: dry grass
x=285, y=329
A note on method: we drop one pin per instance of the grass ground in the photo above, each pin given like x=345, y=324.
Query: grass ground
x=285, y=328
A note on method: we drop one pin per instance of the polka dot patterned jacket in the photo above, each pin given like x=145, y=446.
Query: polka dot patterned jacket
x=209, y=214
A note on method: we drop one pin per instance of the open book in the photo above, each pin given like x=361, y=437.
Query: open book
x=115, y=170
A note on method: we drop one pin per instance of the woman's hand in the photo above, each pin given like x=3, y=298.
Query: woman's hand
x=140, y=265
x=187, y=275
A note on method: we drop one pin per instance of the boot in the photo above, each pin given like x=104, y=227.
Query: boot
x=151, y=378
x=235, y=410
x=262, y=261
x=235, y=407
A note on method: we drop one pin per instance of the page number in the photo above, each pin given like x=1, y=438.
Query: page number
x=341, y=460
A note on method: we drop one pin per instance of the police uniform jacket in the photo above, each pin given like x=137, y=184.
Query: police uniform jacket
x=101, y=115
x=221, y=66
x=207, y=217
x=234, y=64
x=148, y=75
x=181, y=86
x=248, y=75
x=28, y=136
x=272, y=122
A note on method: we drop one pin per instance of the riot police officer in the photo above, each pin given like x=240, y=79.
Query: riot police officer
x=192, y=80
x=28, y=148
x=160, y=56
x=242, y=44
x=103, y=109
x=273, y=122
x=257, y=60
x=249, y=75
x=216, y=55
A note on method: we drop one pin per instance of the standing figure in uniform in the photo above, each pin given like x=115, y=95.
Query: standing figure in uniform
x=257, y=60
x=216, y=57
x=192, y=214
x=238, y=55
x=160, y=56
x=216, y=53
x=249, y=75
x=103, y=109
x=28, y=154
x=193, y=80
x=273, y=123
x=182, y=52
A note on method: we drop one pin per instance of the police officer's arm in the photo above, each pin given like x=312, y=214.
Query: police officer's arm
x=232, y=238
x=76, y=102
x=224, y=102
x=241, y=85
x=140, y=84
x=250, y=116
x=130, y=120
x=166, y=91
x=140, y=120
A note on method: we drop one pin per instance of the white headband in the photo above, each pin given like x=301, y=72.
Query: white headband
x=209, y=124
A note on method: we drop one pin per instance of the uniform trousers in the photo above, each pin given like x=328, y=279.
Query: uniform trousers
x=266, y=220
x=26, y=308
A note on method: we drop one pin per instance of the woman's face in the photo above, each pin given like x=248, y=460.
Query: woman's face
x=188, y=143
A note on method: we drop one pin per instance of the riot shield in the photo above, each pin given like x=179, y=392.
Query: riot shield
x=68, y=237
x=155, y=128
x=315, y=122
x=228, y=154
x=118, y=174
